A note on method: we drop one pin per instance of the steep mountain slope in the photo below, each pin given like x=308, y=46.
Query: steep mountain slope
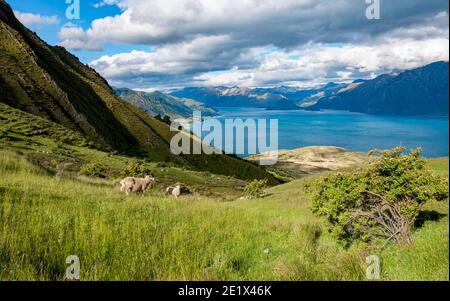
x=195, y=105
x=236, y=97
x=158, y=103
x=422, y=91
x=50, y=82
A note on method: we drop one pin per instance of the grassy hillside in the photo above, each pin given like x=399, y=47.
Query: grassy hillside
x=50, y=82
x=50, y=145
x=210, y=235
x=439, y=165
x=56, y=112
x=44, y=220
x=49, y=142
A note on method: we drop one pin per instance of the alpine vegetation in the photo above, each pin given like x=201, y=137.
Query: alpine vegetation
x=382, y=200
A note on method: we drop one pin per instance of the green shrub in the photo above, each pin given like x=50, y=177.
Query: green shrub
x=93, y=169
x=165, y=164
x=60, y=149
x=380, y=201
x=166, y=119
x=255, y=188
x=137, y=168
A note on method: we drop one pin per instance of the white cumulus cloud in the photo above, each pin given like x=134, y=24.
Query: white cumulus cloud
x=311, y=65
x=29, y=19
x=261, y=42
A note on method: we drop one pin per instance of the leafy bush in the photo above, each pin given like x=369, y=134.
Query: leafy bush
x=165, y=164
x=137, y=169
x=255, y=188
x=93, y=169
x=165, y=119
x=381, y=200
x=60, y=149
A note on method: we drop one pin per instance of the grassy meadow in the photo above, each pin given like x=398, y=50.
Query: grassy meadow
x=49, y=211
x=43, y=220
x=212, y=234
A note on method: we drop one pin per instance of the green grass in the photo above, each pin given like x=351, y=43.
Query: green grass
x=48, y=142
x=211, y=235
x=43, y=220
x=439, y=166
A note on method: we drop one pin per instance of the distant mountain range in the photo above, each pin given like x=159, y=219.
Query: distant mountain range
x=158, y=103
x=273, y=98
x=422, y=91
x=307, y=97
x=237, y=97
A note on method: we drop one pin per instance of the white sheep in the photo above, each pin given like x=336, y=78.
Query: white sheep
x=137, y=185
x=126, y=185
x=175, y=191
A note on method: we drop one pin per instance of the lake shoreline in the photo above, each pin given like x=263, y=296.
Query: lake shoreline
x=357, y=132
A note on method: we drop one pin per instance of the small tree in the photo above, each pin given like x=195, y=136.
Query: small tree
x=136, y=168
x=93, y=169
x=381, y=200
x=255, y=188
x=159, y=117
x=166, y=119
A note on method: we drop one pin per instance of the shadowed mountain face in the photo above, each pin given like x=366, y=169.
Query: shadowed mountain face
x=52, y=83
x=49, y=82
x=422, y=91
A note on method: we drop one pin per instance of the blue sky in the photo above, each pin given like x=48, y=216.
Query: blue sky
x=88, y=13
x=164, y=44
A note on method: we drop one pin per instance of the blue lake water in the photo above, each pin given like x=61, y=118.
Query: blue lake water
x=354, y=131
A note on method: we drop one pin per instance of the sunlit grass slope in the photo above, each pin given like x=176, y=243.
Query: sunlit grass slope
x=47, y=141
x=44, y=220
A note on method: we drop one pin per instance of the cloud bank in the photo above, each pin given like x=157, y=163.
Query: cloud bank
x=29, y=19
x=262, y=42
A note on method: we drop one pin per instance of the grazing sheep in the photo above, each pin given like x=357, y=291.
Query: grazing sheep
x=175, y=191
x=126, y=185
x=137, y=185
x=141, y=185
